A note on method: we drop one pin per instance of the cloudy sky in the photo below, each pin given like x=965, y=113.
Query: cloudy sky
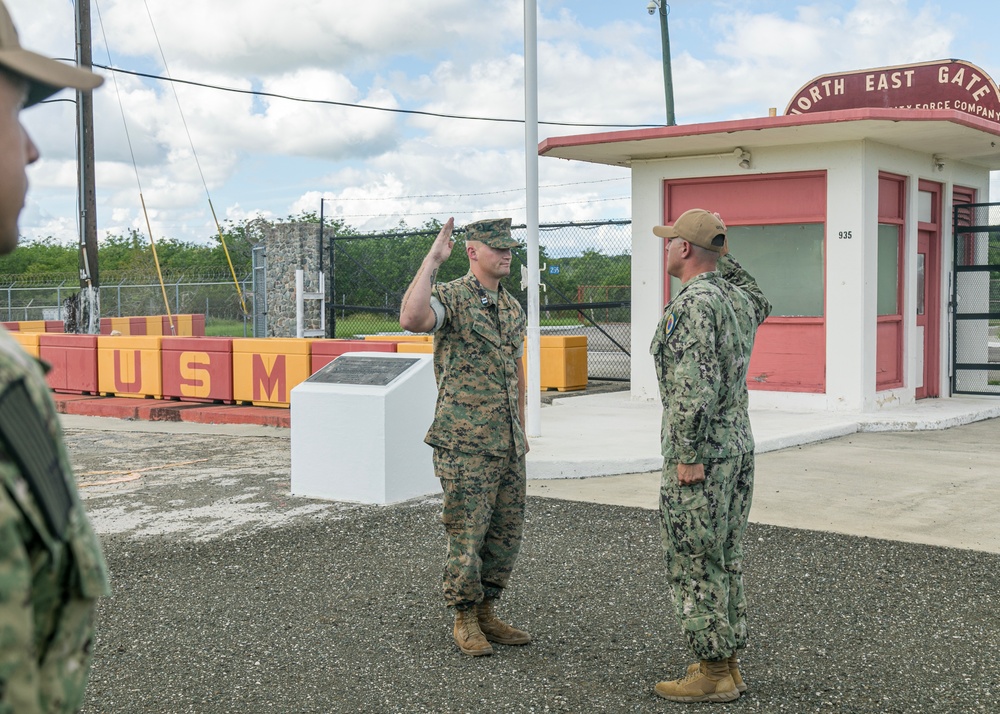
x=599, y=68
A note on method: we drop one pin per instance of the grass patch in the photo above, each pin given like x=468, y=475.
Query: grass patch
x=227, y=328
x=366, y=323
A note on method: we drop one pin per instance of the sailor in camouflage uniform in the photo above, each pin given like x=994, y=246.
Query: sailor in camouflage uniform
x=51, y=567
x=702, y=352
x=477, y=433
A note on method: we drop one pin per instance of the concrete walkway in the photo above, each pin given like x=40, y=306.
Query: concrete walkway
x=904, y=474
x=608, y=434
x=907, y=475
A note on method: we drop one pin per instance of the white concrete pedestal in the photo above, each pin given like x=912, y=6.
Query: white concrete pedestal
x=356, y=437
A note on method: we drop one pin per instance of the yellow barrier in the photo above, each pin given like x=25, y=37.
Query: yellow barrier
x=563, y=362
x=400, y=338
x=563, y=359
x=31, y=326
x=186, y=325
x=129, y=366
x=121, y=325
x=266, y=369
x=28, y=341
x=183, y=325
x=419, y=347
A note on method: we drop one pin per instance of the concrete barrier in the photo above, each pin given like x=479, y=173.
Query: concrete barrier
x=198, y=369
x=129, y=366
x=266, y=369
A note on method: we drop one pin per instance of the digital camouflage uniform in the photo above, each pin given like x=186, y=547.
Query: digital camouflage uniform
x=478, y=439
x=702, y=352
x=51, y=567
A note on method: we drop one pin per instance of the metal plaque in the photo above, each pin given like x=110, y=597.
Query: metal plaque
x=371, y=371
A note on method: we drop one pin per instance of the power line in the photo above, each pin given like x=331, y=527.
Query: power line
x=350, y=105
x=472, y=195
x=478, y=211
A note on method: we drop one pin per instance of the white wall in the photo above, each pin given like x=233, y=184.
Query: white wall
x=647, y=275
x=852, y=204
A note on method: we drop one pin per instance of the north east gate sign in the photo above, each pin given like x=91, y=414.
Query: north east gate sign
x=943, y=84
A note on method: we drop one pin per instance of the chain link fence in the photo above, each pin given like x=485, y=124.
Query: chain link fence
x=42, y=296
x=585, y=288
x=586, y=277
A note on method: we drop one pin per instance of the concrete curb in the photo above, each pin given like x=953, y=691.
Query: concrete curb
x=588, y=435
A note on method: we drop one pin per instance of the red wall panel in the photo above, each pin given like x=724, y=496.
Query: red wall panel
x=73, y=361
x=789, y=356
x=325, y=351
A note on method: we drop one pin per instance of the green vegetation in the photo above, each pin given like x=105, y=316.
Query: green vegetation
x=366, y=323
x=372, y=274
x=132, y=254
x=227, y=328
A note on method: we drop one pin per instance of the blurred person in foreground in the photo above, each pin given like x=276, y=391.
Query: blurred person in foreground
x=477, y=433
x=51, y=567
x=701, y=349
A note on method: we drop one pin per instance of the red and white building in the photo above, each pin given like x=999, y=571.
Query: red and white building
x=843, y=209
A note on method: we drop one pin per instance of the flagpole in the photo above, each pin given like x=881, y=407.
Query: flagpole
x=533, y=407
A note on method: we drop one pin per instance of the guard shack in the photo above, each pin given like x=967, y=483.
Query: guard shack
x=859, y=213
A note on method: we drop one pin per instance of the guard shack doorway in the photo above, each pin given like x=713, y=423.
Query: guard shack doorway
x=928, y=293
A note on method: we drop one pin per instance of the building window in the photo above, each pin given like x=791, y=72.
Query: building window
x=787, y=261
x=888, y=269
x=925, y=207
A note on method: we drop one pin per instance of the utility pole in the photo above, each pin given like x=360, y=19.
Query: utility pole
x=89, y=311
x=663, y=9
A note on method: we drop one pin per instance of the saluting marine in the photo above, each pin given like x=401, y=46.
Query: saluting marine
x=477, y=432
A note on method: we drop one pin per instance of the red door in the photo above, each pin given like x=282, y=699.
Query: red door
x=928, y=313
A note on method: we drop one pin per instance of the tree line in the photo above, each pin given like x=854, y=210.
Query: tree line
x=376, y=271
x=132, y=254
x=366, y=270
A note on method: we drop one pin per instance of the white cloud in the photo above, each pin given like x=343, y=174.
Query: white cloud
x=266, y=37
x=598, y=62
x=762, y=59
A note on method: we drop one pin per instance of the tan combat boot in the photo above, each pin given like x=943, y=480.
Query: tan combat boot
x=468, y=636
x=496, y=630
x=711, y=682
x=734, y=671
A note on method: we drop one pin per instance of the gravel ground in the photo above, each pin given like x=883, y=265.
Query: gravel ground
x=338, y=610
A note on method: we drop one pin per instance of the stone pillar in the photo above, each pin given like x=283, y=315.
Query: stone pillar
x=290, y=247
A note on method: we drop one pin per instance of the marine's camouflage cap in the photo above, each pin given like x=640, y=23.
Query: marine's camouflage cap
x=494, y=232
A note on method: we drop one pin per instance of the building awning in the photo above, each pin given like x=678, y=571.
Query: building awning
x=946, y=133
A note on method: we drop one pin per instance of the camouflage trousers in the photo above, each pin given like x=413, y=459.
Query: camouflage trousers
x=702, y=527
x=483, y=515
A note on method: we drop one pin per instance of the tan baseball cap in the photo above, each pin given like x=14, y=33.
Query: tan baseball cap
x=697, y=226
x=45, y=76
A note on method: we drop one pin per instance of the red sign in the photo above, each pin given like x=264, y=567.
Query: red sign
x=944, y=84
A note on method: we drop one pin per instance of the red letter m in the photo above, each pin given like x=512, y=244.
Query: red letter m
x=269, y=383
